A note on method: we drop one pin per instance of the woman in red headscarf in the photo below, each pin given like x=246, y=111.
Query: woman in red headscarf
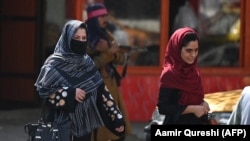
x=181, y=96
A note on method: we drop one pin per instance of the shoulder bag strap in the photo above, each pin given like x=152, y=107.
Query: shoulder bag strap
x=42, y=116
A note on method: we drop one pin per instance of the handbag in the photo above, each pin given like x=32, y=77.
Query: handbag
x=48, y=131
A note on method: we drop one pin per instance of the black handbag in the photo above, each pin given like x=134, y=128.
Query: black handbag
x=48, y=131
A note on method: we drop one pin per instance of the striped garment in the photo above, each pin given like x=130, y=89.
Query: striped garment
x=66, y=69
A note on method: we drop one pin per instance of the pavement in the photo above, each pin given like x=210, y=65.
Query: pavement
x=12, y=123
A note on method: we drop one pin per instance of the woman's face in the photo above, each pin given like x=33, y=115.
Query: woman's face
x=190, y=52
x=103, y=21
x=80, y=35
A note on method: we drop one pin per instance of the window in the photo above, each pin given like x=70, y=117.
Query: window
x=218, y=25
x=136, y=24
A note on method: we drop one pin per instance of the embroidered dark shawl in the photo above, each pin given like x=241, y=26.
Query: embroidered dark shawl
x=66, y=69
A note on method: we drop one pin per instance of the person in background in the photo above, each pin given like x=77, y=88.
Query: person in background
x=181, y=96
x=241, y=113
x=74, y=87
x=107, y=55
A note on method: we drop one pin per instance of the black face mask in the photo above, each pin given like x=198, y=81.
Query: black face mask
x=78, y=47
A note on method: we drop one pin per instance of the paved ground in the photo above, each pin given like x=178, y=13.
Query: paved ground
x=12, y=125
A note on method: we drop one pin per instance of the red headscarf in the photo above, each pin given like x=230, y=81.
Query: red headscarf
x=180, y=75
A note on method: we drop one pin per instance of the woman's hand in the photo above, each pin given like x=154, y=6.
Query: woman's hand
x=197, y=110
x=200, y=110
x=120, y=129
x=80, y=95
x=205, y=104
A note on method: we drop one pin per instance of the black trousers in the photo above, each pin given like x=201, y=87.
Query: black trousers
x=83, y=138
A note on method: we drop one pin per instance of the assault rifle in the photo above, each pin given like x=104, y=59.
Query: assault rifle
x=131, y=50
x=128, y=50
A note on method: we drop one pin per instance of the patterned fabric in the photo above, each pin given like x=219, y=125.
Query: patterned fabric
x=67, y=69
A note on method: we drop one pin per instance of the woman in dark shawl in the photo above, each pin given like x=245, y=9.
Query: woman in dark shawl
x=74, y=87
x=181, y=92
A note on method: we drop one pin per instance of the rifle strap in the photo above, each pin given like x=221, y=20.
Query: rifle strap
x=124, y=71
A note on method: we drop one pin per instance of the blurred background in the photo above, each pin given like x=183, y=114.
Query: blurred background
x=29, y=30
